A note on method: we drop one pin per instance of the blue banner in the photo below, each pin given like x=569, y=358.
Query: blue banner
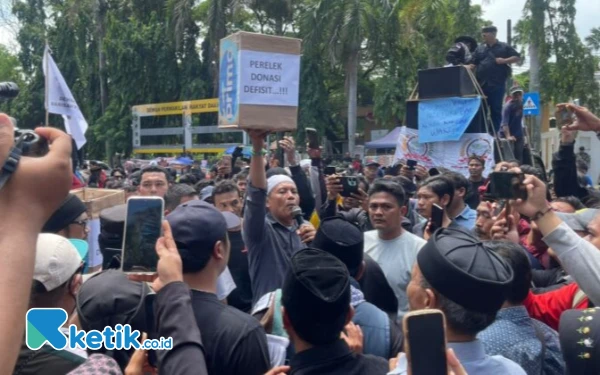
x=446, y=119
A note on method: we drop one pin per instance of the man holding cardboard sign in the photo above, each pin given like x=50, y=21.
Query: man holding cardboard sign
x=272, y=230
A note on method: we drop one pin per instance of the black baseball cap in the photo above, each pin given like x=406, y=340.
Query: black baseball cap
x=196, y=226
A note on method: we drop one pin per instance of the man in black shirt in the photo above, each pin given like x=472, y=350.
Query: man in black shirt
x=316, y=308
x=492, y=59
x=476, y=179
x=235, y=343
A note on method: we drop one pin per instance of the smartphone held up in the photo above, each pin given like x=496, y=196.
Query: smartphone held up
x=425, y=342
x=143, y=224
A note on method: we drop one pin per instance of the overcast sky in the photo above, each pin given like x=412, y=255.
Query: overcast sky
x=498, y=11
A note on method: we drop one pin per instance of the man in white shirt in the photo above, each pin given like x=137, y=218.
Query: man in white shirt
x=393, y=248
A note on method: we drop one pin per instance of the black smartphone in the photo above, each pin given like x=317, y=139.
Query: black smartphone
x=425, y=342
x=313, y=138
x=507, y=185
x=411, y=164
x=437, y=218
x=433, y=172
x=329, y=171
x=350, y=185
x=143, y=224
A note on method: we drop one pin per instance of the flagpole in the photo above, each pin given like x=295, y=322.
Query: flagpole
x=46, y=84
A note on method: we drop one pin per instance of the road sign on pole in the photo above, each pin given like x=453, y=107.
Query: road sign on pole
x=531, y=104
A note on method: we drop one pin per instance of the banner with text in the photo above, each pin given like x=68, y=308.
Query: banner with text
x=269, y=78
x=446, y=119
x=453, y=155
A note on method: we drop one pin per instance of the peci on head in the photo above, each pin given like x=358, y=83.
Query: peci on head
x=451, y=263
x=226, y=197
x=435, y=190
x=200, y=232
x=344, y=240
x=178, y=194
x=154, y=182
x=316, y=297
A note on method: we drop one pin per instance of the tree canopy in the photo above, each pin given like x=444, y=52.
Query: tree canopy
x=115, y=54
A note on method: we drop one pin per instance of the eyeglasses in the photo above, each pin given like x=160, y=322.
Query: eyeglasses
x=83, y=223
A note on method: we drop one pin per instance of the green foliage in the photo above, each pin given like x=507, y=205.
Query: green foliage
x=567, y=64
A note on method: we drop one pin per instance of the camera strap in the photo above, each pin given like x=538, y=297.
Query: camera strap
x=11, y=163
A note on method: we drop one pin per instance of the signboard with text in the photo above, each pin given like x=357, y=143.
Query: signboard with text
x=259, y=82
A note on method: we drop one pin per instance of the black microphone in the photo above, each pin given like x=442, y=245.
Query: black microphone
x=8, y=90
x=297, y=212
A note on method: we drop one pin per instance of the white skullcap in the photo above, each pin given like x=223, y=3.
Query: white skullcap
x=273, y=181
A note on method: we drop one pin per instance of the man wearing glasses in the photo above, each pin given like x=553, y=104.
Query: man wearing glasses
x=56, y=281
x=70, y=220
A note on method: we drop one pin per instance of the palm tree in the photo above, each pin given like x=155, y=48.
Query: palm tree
x=343, y=29
x=593, y=40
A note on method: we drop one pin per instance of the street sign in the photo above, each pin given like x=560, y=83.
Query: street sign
x=531, y=104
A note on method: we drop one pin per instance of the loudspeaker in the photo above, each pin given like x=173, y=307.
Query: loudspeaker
x=477, y=125
x=445, y=82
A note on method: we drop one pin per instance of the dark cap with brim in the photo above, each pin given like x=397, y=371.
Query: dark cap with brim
x=462, y=269
x=197, y=226
x=71, y=208
x=316, y=296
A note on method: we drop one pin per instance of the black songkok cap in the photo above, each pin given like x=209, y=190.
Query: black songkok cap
x=579, y=332
x=489, y=29
x=71, y=208
x=462, y=269
x=341, y=239
x=316, y=296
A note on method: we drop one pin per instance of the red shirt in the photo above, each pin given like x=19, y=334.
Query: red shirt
x=76, y=184
x=547, y=307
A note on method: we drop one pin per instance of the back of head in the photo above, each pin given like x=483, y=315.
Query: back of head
x=391, y=187
x=110, y=240
x=176, y=193
x=470, y=280
x=516, y=258
x=316, y=296
x=197, y=226
x=458, y=180
x=409, y=187
x=343, y=240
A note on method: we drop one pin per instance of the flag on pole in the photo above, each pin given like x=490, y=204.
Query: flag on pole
x=60, y=101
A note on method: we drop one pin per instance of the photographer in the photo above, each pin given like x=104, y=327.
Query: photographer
x=491, y=61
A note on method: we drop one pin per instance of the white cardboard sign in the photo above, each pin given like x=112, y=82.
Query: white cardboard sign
x=269, y=78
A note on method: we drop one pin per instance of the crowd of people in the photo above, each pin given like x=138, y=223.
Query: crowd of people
x=265, y=269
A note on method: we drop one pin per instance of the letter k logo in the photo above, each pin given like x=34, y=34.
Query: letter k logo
x=43, y=325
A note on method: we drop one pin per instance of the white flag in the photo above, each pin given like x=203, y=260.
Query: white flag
x=60, y=101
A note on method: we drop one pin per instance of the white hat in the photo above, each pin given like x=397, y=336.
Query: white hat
x=57, y=259
x=273, y=181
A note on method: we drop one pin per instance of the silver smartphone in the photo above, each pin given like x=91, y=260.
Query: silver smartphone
x=143, y=224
